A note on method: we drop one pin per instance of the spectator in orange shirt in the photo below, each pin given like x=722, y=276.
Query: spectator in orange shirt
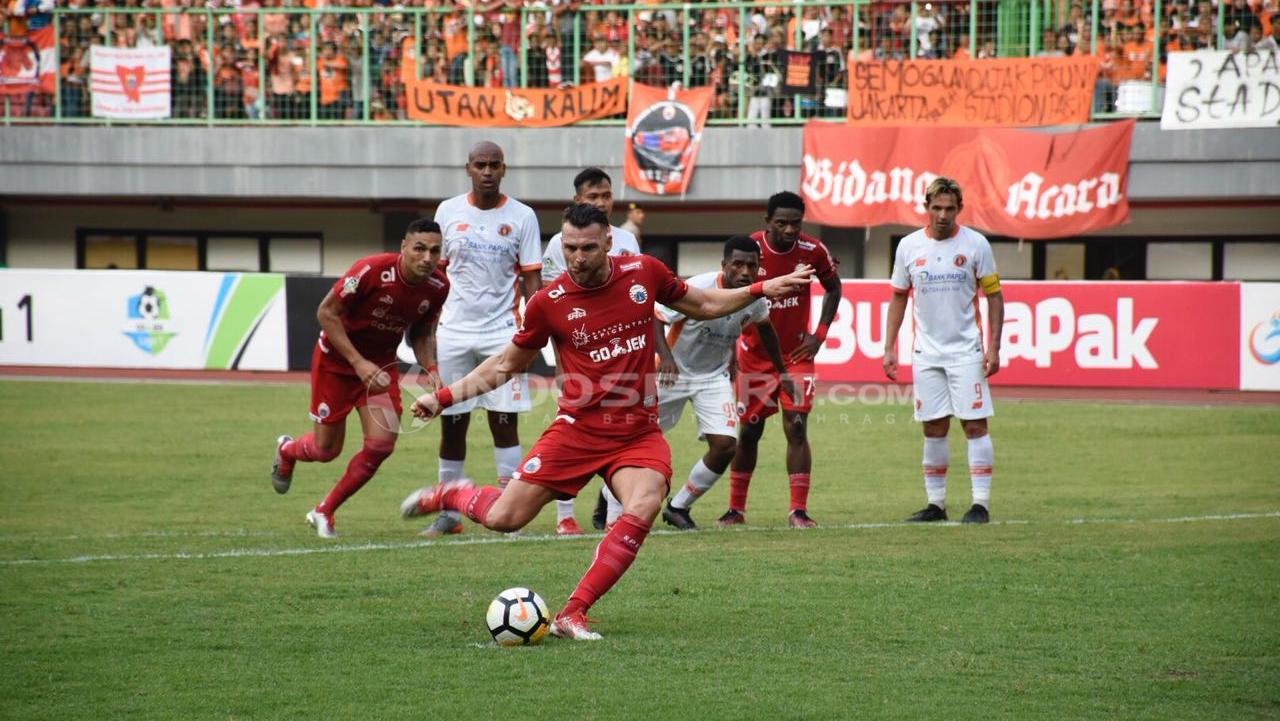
x=455, y=36
x=1270, y=42
x=962, y=49
x=335, y=82
x=1137, y=55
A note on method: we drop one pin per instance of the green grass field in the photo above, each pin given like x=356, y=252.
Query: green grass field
x=149, y=572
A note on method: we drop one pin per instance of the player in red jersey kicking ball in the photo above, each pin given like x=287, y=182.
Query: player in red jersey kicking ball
x=599, y=315
x=362, y=319
x=782, y=248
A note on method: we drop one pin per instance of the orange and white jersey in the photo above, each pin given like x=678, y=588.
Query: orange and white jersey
x=487, y=250
x=945, y=276
x=703, y=348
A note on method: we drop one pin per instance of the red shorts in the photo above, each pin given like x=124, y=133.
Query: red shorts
x=565, y=459
x=334, y=394
x=758, y=388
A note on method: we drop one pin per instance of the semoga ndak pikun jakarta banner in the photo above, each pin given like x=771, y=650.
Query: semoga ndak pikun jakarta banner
x=1016, y=183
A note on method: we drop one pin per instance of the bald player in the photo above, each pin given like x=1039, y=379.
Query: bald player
x=492, y=246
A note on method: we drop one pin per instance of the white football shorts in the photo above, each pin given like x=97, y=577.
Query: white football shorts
x=458, y=354
x=713, y=404
x=959, y=390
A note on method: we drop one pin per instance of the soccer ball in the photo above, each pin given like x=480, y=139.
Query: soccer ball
x=149, y=304
x=518, y=617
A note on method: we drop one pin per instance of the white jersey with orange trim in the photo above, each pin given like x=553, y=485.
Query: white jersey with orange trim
x=945, y=276
x=703, y=348
x=553, y=264
x=486, y=252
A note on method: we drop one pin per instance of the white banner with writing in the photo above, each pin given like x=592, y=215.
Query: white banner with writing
x=1212, y=89
x=129, y=83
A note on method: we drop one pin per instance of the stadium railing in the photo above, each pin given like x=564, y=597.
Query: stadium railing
x=260, y=66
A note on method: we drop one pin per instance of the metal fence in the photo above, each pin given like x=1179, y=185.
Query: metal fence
x=287, y=65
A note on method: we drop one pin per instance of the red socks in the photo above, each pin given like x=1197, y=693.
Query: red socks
x=304, y=449
x=473, y=502
x=738, y=483
x=799, y=490
x=612, y=558
x=361, y=468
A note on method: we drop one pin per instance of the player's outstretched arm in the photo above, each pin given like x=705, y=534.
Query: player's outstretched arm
x=492, y=373
x=706, y=303
x=897, y=311
x=330, y=316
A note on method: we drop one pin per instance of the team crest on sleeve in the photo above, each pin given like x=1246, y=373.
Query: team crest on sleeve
x=960, y=261
x=533, y=465
x=638, y=293
x=423, y=307
x=349, y=285
x=323, y=411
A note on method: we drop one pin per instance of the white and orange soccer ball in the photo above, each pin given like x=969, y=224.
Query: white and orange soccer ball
x=518, y=617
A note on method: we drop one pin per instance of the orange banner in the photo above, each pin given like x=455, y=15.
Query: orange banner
x=1014, y=92
x=513, y=107
x=1017, y=183
x=664, y=131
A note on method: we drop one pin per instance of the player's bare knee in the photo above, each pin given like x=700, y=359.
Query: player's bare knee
x=504, y=430
x=975, y=428
x=750, y=434
x=937, y=428
x=796, y=430
x=644, y=503
x=328, y=451
x=720, y=450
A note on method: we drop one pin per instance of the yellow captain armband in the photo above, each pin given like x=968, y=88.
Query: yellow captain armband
x=990, y=284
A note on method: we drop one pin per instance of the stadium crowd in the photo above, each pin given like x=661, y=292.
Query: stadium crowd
x=550, y=43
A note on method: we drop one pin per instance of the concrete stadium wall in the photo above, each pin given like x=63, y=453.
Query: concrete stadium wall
x=735, y=165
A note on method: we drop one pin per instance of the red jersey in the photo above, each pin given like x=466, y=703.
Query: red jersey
x=789, y=315
x=380, y=307
x=604, y=337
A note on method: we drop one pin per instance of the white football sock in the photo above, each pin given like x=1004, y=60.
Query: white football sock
x=564, y=509
x=981, y=458
x=701, y=479
x=615, y=506
x=451, y=471
x=506, y=461
x=936, y=458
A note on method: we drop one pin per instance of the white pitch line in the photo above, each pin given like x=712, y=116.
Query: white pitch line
x=241, y=533
x=543, y=538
